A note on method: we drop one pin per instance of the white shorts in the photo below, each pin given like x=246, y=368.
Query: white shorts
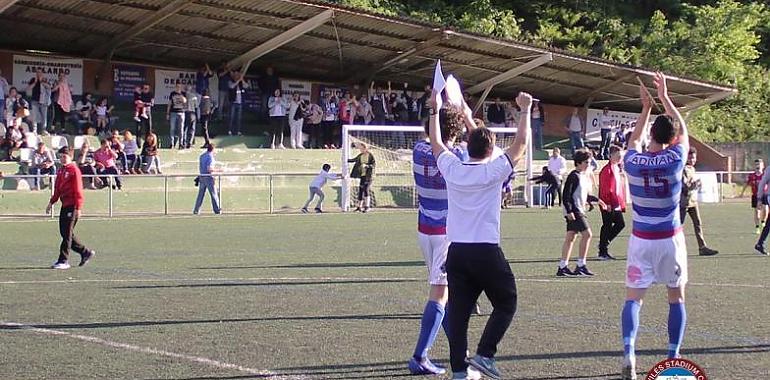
x=434, y=248
x=662, y=261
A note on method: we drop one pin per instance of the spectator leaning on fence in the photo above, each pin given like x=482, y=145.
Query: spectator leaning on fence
x=42, y=164
x=205, y=181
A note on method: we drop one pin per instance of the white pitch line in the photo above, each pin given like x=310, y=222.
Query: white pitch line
x=152, y=351
x=331, y=279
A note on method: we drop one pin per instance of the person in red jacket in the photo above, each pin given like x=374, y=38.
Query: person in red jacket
x=612, y=191
x=69, y=189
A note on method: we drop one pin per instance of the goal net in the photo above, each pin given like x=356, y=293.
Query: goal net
x=393, y=183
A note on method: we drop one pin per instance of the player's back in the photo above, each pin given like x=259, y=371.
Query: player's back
x=431, y=190
x=655, y=182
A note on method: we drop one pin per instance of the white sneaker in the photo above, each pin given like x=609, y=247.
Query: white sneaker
x=58, y=265
x=280, y=146
x=272, y=146
x=628, y=372
x=471, y=374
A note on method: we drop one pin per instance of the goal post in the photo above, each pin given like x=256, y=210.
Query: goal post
x=393, y=185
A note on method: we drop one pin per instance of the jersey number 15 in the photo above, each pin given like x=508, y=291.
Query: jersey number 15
x=661, y=189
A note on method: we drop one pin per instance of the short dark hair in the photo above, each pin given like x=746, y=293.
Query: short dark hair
x=326, y=167
x=481, y=141
x=210, y=147
x=663, y=129
x=692, y=150
x=64, y=150
x=450, y=124
x=614, y=149
x=581, y=156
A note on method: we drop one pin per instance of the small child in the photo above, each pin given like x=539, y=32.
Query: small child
x=138, y=103
x=102, y=117
x=553, y=186
x=130, y=147
x=315, y=187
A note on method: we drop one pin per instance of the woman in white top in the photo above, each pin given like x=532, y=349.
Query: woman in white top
x=278, y=110
x=296, y=119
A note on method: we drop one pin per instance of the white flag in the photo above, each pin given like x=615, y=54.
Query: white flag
x=454, y=95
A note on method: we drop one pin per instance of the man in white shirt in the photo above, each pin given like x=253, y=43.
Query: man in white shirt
x=475, y=262
x=316, y=185
x=557, y=165
x=605, y=125
x=576, y=131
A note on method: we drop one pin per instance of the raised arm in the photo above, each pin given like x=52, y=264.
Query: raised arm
x=635, y=141
x=671, y=110
x=434, y=129
x=519, y=145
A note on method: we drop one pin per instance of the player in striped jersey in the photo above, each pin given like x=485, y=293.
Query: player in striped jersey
x=656, y=249
x=431, y=227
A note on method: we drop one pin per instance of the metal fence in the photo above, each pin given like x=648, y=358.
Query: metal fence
x=245, y=193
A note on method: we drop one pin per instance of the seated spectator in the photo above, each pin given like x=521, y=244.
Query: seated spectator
x=85, y=160
x=20, y=110
x=130, y=148
x=14, y=140
x=42, y=163
x=117, y=147
x=150, y=153
x=84, y=110
x=105, y=163
x=103, y=111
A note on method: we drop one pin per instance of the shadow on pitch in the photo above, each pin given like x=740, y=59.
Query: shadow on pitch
x=45, y=268
x=383, y=264
x=271, y=283
x=107, y=325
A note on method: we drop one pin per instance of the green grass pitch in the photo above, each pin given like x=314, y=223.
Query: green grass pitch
x=339, y=296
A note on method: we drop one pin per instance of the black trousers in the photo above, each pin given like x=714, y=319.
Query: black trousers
x=473, y=268
x=694, y=213
x=67, y=222
x=612, y=224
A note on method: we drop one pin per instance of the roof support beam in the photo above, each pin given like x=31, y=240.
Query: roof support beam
x=417, y=48
x=589, y=98
x=161, y=14
x=703, y=102
x=246, y=58
x=512, y=73
x=5, y=4
x=481, y=100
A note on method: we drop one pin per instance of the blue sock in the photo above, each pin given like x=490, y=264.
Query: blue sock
x=431, y=323
x=677, y=319
x=630, y=321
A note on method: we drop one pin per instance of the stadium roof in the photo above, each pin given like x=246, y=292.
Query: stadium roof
x=325, y=42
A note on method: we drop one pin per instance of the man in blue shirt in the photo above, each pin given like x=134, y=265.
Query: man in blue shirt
x=206, y=181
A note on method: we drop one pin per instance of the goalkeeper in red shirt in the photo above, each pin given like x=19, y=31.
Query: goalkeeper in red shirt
x=69, y=189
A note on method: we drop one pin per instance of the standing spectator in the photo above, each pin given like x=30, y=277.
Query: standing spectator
x=553, y=186
x=148, y=100
x=205, y=181
x=345, y=105
x=85, y=162
x=177, y=102
x=557, y=165
x=278, y=109
x=612, y=191
x=689, y=203
x=150, y=153
x=130, y=148
x=363, y=169
x=496, y=114
x=105, y=164
x=42, y=163
x=313, y=124
x=103, y=111
x=364, y=114
x=63, y=104
x=379, y=105
x=576, y=130
x=206, y=110
x=224, y=74
x=268, y=83
x=330, y=118
x=190, y=117
x=577, y=202
x=84, y=112
x=423, y=104
x=202, y=78
x=4, y=88
x=36, y=90
x=237, y=89
x=296, y=119
x=605, y=123
x=538, y=121
x=69, y=188
x=119, y=150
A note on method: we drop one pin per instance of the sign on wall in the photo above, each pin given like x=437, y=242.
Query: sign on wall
x=614, y=118
x=126, y=78
x=289, y=87
x=25, y=66
x=166, y=80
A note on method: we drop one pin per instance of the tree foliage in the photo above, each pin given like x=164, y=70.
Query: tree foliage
x=726, y=41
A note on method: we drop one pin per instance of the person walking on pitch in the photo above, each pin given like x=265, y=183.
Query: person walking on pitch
x=612, y=191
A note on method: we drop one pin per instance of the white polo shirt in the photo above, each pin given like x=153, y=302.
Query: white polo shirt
x=474, y=196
